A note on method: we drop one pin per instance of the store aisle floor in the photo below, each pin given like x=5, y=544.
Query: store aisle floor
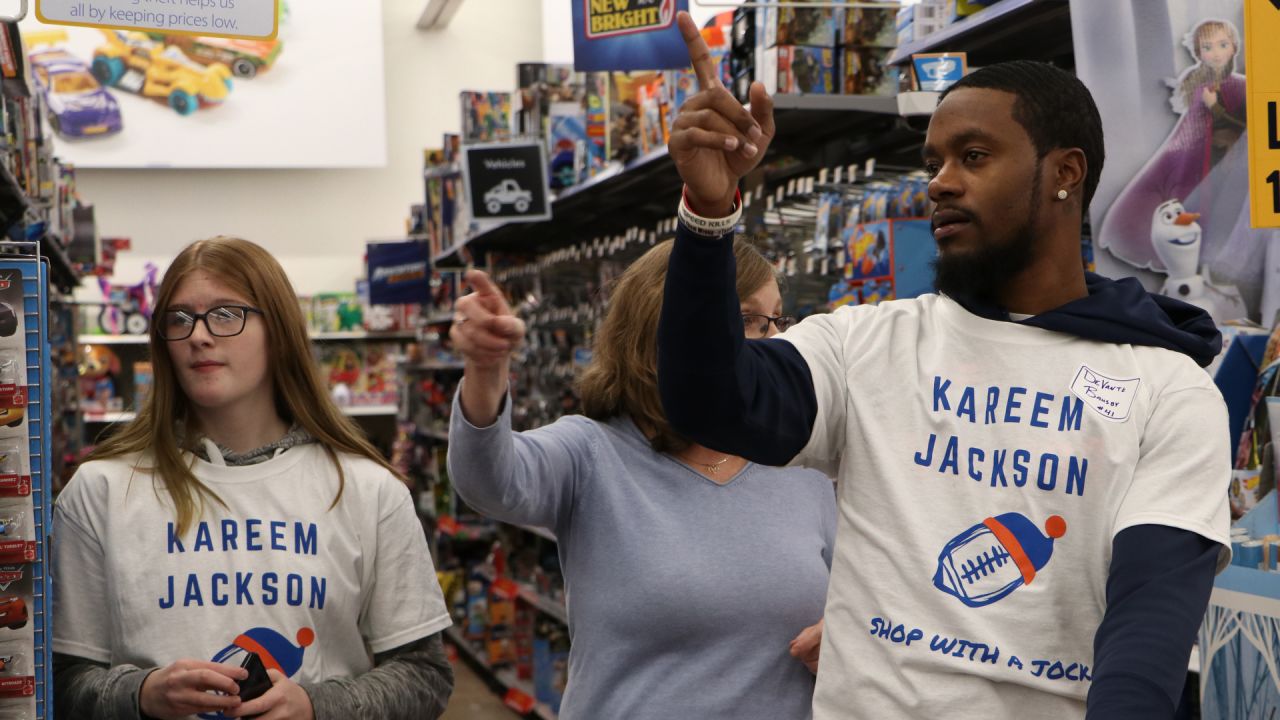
x=472, y=699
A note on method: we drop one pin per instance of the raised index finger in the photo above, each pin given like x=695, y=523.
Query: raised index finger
x=699, y=53
x=481, y=283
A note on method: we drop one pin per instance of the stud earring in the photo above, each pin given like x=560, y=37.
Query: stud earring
x=1062, y=194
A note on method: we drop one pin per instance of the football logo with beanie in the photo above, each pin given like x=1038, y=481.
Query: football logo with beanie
x=273, y=648
x=995, y=557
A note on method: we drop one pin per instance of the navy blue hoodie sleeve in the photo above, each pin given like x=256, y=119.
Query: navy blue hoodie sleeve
x=1157, y=592
x=752, y=398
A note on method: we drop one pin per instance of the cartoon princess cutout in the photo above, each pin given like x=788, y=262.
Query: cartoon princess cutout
x=1210, y=97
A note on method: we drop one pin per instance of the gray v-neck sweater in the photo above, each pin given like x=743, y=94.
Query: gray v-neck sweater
x=683, y=594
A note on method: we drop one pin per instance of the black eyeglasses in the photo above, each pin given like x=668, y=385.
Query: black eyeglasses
x=757, y=326
x=222, y=321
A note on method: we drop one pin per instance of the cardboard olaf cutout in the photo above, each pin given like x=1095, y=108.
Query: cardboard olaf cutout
x=1175, y=238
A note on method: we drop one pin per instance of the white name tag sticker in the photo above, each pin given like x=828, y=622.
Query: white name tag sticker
x=1112, y=398
x=252, y=19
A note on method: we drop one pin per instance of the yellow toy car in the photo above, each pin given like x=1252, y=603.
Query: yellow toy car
x=134, y=62
x=246, y=58
x=11, y=416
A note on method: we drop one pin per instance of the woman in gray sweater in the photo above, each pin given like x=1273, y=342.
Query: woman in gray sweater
x=692, y=577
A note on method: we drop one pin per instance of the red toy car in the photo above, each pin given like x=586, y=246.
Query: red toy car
x=13, y=612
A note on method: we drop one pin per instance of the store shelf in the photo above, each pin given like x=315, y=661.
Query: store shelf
x=613, y=179
x=504, y=678
x=61, y=272
x=431, y=366
x=349, y=410
x=319, y=337
x=434, y=435
x=917, y=103
x=110, y=417
x=369, y=410
x=113, y=339
x=361, y=335
x=540, y=532
x=1007, y=30
x=546, y=605
x=876, y=104
x=647, y=190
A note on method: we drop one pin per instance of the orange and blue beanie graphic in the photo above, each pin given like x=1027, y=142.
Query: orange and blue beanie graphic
x=988, y=561
x=273, y=648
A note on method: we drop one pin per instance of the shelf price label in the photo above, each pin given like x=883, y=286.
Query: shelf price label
x=1261, y=27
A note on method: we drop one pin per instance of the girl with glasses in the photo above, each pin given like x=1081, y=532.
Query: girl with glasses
x=241, y=513
x=693, y=576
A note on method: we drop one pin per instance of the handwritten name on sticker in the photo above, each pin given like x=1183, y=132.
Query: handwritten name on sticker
x=1110, y=397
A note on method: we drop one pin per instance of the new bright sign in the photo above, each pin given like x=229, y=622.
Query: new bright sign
x=253, y=19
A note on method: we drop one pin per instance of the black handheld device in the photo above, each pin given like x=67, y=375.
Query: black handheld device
x=257, y=683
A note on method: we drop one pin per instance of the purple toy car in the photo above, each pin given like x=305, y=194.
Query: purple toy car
x=78, y=105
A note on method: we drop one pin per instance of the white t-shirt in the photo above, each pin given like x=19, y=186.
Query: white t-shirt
x=984, y=469
x=276, y=570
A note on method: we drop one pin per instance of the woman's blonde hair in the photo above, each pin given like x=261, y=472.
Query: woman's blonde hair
x=623, y=374
x=300, y=395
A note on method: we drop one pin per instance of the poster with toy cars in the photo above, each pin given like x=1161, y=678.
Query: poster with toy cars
x=135, y=99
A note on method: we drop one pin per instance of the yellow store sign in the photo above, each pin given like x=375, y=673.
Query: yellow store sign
x=1262, y=67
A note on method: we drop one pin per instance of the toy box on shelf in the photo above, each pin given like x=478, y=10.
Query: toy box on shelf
x=866, y=71
x=445, y=212
x=1240, y=639
x=884, y=248
x=486, y=116
x=817, y=27
x=99, y=372
x=800, y=69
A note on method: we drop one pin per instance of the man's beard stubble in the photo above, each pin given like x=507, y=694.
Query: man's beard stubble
x=981, y=274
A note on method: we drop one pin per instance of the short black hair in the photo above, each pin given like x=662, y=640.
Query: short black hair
x=1054, y=107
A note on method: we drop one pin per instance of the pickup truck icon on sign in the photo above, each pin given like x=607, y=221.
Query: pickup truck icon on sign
x=507, y=192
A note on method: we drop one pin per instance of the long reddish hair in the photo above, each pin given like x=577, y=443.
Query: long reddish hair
x=300, y=394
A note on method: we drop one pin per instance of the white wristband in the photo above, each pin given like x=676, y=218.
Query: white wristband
x=709, y=227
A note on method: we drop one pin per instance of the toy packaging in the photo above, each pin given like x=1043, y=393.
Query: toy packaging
x=550, y=663
x=566, y=144
x=681, y=85
x=796, y=69
x=784, y=25
x=597, y=123
x=143, y=379
x=916, y=22
x=486, y=116
x=869, y=251
x=529, y=107
x=745, y=51
x=17, y=513
x=336, y=312
x=539, y=85
x=99, y=369
x=652, y=101
x=870, y=27
x=867, y=71
x=625, y=141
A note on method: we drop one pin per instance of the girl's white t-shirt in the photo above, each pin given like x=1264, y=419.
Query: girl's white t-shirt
x=318, y=589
